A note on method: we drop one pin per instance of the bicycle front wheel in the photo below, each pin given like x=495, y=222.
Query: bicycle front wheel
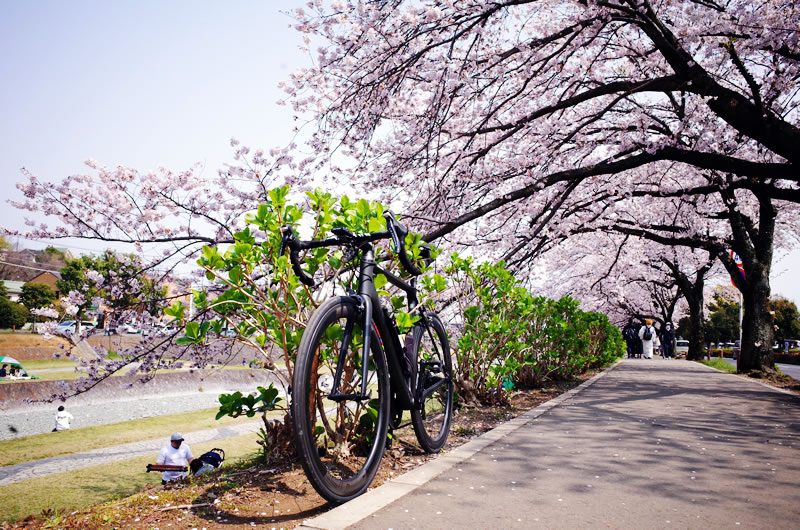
x=340, y=433
x=432, y=418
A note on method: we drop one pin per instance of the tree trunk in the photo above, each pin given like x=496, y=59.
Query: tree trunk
x=757, y=330
x=697, y=335
x=754, y=244
x=693, y=293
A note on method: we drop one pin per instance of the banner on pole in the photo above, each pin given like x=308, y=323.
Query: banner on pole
x=735, y=257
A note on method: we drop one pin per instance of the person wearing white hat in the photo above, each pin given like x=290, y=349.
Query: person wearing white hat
x=176, y=453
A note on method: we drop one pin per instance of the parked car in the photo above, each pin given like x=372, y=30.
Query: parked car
x=165, y=330
x=68, y=326
x=130, y=328
x=681, y=347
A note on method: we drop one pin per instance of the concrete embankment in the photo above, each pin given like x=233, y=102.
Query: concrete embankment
x=119, y=399
x=29, y=395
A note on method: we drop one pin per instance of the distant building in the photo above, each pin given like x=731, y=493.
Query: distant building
x=49, y=279
x=26, y=264
x=14, y=289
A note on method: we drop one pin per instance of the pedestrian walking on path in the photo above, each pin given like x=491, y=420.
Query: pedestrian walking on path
x=667, y=337
x=647, y=334
x=645, y=445
x=630, y=334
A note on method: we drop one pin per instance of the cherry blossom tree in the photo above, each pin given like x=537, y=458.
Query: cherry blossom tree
x=634, y=278
x=168, y=214
x=509, y=126
x=166, y=218
x=508, y=123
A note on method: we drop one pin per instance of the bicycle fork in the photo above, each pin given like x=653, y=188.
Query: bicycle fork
x=366, y=305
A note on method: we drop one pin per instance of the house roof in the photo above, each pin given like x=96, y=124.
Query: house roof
x=13, y=286
x=44, y=273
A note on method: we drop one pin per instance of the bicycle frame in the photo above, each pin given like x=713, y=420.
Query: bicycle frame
x=367, y=297
x=408, y=395
x=374, y=315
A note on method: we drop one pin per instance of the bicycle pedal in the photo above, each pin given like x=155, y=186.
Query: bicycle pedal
x=350, y=397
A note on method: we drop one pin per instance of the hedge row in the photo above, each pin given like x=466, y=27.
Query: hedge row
x=513, y=339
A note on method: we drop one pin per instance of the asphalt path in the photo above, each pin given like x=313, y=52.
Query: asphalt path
x=647, y=444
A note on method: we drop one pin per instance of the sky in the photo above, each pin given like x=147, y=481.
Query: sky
x=149, y=83
x=140, y=83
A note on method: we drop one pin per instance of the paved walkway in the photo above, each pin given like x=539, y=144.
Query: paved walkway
x=647, y=444
x=48, y=466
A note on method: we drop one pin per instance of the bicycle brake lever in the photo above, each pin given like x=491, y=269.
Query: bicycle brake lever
x=286, y=231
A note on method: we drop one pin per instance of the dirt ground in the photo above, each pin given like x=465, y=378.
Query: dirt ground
x=777, y=380
x=273, y=496
x=26, y=346
x=14, y=341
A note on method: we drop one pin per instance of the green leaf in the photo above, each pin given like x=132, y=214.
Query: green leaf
x=377, y=224
x=192, y=329
x=362, y=208
x=176, y=310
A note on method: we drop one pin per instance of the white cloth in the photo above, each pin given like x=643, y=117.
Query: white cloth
x=62, y=420
x=647, y=345
x=174, y=457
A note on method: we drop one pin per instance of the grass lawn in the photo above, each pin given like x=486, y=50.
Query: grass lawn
x=46, y=376
x=721, y=364
x=48, y=364
x=65, y=375
x=49, y=444
x=71, y=490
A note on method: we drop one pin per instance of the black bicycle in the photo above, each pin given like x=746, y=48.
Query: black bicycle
x=353, y=379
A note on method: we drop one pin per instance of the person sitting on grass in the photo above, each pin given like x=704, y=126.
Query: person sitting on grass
x=175, y=454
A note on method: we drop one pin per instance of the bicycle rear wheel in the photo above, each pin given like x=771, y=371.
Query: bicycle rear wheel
x=340, y=442
x=432, y=418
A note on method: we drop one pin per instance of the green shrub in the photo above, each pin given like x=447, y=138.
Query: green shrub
x=257, y=295
x=512, y=339
x=12, y=314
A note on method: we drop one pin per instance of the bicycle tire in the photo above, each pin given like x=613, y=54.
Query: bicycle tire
x=340, y=451
x=431, y=420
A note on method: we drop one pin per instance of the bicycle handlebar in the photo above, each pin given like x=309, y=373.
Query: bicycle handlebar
x=396, y=231
x=399, y=233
